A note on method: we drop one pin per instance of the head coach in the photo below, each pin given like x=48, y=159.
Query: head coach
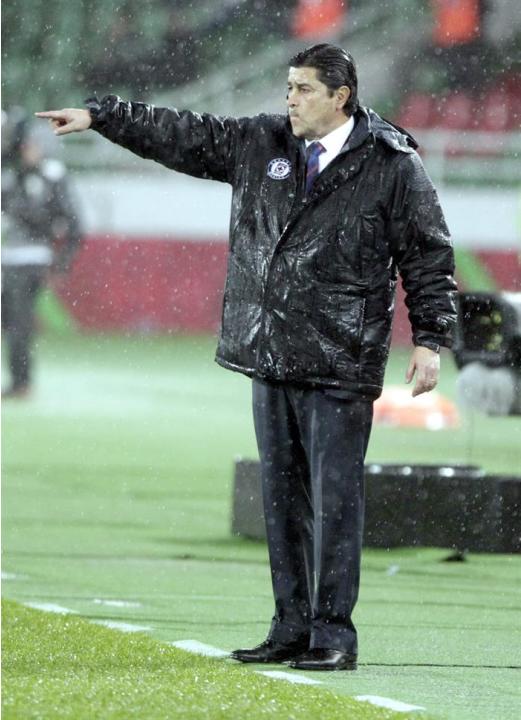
x=330, y=202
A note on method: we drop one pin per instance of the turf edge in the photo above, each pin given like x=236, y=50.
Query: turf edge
x=57, y=666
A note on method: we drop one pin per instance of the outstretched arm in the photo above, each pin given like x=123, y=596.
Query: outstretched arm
x=68, y=120
x=204, y=146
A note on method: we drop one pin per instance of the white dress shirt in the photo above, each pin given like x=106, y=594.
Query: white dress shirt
x=333, y=142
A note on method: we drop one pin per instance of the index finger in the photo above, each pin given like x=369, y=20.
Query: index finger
x=50, y=114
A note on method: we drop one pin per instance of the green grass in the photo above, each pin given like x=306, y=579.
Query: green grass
x=472, y=272
x=117, y=479
x=64, y=667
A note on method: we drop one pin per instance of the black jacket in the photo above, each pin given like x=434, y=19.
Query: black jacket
x=310, y=288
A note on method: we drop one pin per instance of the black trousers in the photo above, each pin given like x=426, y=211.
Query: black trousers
x=312, y=445
x=20, y=287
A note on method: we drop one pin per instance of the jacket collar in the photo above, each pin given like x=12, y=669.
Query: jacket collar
x=369, y=129
x=368, y=122
x=335, y=140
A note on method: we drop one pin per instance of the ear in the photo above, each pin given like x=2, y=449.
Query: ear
x=343, y=94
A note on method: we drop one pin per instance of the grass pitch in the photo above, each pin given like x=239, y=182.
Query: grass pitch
x=64, y=667
x=117, y=488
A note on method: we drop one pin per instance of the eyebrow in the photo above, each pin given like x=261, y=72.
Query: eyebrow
x=299, y=85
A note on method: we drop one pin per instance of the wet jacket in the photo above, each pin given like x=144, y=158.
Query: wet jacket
x=310, y=287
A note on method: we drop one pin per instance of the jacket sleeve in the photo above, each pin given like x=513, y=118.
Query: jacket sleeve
x=424, y=255
x=205, y=146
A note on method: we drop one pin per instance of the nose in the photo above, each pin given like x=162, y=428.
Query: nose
x=291, y=99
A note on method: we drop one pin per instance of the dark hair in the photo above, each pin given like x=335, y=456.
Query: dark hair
x=335, y=66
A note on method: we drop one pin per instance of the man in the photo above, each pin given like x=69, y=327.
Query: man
x=40, y=235
x=327, y=204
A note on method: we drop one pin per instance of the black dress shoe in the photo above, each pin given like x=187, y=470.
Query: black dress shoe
x=323, y=659
x=269, y=651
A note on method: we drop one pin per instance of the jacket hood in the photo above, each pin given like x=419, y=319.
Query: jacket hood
x=393, y=135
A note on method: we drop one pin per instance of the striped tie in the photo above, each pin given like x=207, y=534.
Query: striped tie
x=313, y=153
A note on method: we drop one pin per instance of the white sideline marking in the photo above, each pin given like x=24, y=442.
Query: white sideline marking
x=117, y=603
x=13, y=576
x=194, y=646
x=392, y=570
x=290, y=677
x=51, y=607
x=112, y=624
x=123, y=626
x=388, y=703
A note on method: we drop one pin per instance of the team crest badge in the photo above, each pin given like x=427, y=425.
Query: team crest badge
x=279, y=169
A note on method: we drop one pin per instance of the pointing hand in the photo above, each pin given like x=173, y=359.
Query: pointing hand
x=68, y=120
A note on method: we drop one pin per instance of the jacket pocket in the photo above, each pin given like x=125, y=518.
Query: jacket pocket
x=361, y=244
x=339, y=316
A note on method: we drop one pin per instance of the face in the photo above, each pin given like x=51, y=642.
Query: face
x=313, y=111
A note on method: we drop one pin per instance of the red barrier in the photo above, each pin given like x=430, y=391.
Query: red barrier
x=504, y=268
x=170, y=285
x=147, y=285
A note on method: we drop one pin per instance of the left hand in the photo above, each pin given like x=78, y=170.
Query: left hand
x=425, y=363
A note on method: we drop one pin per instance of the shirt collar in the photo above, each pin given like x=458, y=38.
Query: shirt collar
x=337, y=138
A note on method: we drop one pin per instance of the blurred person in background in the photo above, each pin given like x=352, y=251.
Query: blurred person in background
x=40, y=234
x=329, y=202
